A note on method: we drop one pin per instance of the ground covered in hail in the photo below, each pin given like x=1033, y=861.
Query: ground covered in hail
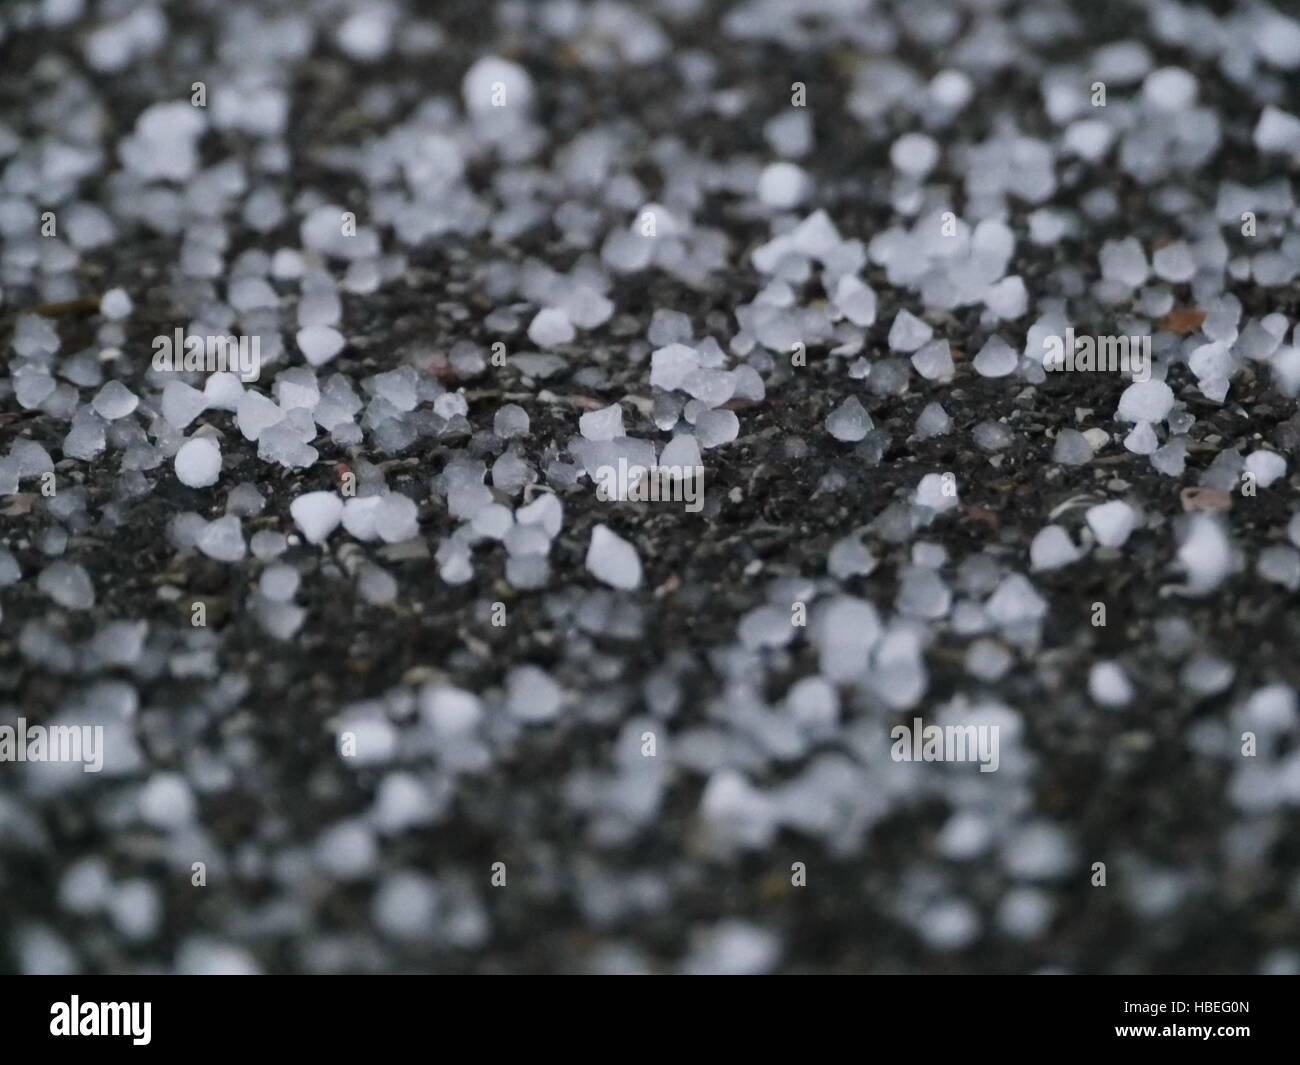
x=670, y=487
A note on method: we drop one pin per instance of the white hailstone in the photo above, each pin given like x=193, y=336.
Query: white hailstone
x=1072, y=448
x=279, y=583
x=114, y=401
x=1014, y=601
x=933, y=361
x=510, y=421
x=282, y=444
x=493, y=521
x=396, y=518
x=932, y=421
x=716, y=427
x=849, y=421
x=949, y=924
x=115, y=304
x=996, y=358
x=908, y=332
x=1267, y=466
x=711, y=387
x=765, y=626
x=317, y=514
x=671, y=365
x=10, y=571
x=845, y=631
x=1277, y=131
x=613, y=560
x=855, y=300
x=1007, y=299
x=1174, y=262
x=86, y=438
x=789, y=133
x=366, y=34
x=735, y=947
x=494, y=85
x=1169, y=89
x=405, y=907
x=222, y=540
x=68, y=584
x=449, y=710
x=198, y=462
x=252, y=293
x=181, y=404
x=1108, y=685
x=1052, y=548
x=223, y=390
x=256, y=413
x=783, y=185
x=546, y=510
x=1089, y=138
x=988, y=660
x=1146, y=401
x=1210, y=362
x=816, y=236
x=1124, y=262
x=551, y=327
x=398, y=387
x=166, y=801
x=749, y=384
x=32, y=387
x=267, y=545
x=359, y=517
x=950, y=90
x=914, y=154
x=602, y=425
x=532, y=695
x=1142, y=440
x=934, y=491
x=1111, y=522
x=1280, y=565
x=347, y=850
x=682, y=453
x=319, y=343
x=1170, y=460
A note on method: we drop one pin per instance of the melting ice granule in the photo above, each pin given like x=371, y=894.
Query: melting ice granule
x=550, y=328
x=716, y=427
x=222, y=540
x=115, y=401
x=602, y=425
x=908, y=332
x=317, y=514
x=198, y=462
x=1146, y=401
x=181, y=404
x=849, y=421
x=319, y=343
x=1071, y=448
x=996, y=358
x=1052, y=548
x=613, y=560
x=68, y=584
x=1111, y=522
